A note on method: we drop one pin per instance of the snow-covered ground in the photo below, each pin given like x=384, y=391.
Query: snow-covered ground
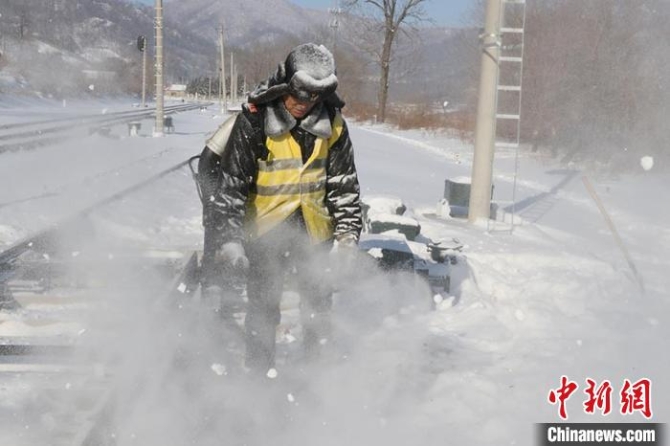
x=554, y=297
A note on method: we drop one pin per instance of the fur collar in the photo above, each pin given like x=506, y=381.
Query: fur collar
x=279, y=121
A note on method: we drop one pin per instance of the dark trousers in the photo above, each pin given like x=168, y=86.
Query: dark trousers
x=285, y=255
x=210, y=274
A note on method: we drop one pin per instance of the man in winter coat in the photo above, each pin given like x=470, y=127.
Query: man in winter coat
x=286, y=195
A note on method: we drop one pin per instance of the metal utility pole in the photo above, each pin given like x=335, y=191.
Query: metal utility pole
x=237, y=86
x=233, y=92
x=2, y=42
x=233, y=86
x=158, y=126
x=335, y=21
x=482, y=165
x=222, y=74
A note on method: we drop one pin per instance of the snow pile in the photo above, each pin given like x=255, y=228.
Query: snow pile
x=553, y=297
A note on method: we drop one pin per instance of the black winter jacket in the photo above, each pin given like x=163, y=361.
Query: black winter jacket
x=238, y=169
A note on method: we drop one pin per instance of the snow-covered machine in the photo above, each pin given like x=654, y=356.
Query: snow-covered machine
x=395, y=241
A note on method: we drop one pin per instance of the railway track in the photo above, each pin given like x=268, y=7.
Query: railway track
x=70, y=391
x=50, y=303
x=54, y=192
x=36, y=134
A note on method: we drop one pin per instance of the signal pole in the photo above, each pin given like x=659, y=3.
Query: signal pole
x=158, y=126
x=142, y=46
x=482, y=164
x=144, y=78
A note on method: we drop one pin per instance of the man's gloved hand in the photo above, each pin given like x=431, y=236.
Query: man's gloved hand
x=343, y=256
x=346, y=243
x=233, y=258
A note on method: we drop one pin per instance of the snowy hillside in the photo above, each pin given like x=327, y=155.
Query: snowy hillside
x=554, y=297
x=59, y=47
x=246, y=21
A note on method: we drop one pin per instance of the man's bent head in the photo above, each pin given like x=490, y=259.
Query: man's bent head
x=310, y=73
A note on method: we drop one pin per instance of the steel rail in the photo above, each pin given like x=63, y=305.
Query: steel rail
x=29, y=140
x=38, y=239
x=142, y=112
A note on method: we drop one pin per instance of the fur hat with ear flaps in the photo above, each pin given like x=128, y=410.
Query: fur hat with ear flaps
x=308, y=74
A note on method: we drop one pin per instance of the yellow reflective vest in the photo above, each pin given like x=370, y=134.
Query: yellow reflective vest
x=286, y=184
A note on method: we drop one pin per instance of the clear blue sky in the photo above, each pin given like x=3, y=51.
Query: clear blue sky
x=443, y=12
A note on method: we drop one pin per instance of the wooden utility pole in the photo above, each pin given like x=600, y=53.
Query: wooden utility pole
x=482, y=165
x=158, y=126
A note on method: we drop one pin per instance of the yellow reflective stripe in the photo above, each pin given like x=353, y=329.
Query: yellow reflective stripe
x=275, y=179
x=291, y=189
x=290, y=164
x=279, y=164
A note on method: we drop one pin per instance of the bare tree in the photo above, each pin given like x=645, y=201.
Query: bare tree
x=259, y=60
x=393, y=16
x=602, y=101
x=351, y=65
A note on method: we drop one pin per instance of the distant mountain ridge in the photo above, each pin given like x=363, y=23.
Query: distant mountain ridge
x=67, y=46
x=244, y=21
x=49, y=44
